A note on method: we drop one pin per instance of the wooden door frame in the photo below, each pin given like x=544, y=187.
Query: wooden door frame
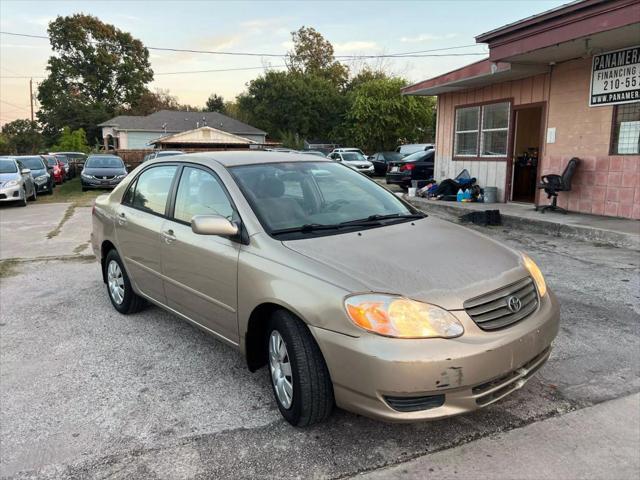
x=508, y=187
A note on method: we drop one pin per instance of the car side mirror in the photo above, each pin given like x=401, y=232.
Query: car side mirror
x=213, y=225
x=25, y=171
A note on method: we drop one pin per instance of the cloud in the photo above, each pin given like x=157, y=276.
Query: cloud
x=427, y=37
x=355, y=46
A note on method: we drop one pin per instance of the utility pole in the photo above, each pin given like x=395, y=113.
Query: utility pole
x=31, y=96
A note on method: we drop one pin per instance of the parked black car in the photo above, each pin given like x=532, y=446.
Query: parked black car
x=417, y=166
x=380, y=161
x=42, y=178
x=102, y=171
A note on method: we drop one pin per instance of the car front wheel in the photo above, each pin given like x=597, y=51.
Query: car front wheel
x=299, y=376
x=34, y=195
x=121, y=294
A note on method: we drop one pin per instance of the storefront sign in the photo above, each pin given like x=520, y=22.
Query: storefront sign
x=615, y=77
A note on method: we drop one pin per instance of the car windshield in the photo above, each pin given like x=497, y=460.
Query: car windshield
x=32, y=163
x=104, y=162
x=316, y=197
x=7, y=166
x=51, y=161
x=63, y=159
x=353, y=157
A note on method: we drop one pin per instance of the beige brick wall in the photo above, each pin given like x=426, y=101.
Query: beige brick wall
x=604, y=184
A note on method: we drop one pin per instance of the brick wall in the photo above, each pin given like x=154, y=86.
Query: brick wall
x=604, y=184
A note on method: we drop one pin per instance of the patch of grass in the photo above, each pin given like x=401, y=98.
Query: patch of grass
x=8, y=268
x=67, y=215
x=71, y=191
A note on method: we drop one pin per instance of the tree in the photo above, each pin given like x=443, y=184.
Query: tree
x=96, y=68
x=379, y=116
x=72, y=141
x=303, y=104
x=150, y=102
x=313, y=54
x=215, y=103
x=22, y=137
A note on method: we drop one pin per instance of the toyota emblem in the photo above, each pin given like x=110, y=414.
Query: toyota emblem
x=514, y=304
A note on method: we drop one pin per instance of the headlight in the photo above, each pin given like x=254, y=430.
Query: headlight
x=84, y=175
x=10, y=183
x=120, y=177
x=41, y=178
x=536, y=274
x=395, y=316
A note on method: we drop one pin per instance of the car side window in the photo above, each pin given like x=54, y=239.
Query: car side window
x=200, y=193
x=151, y=189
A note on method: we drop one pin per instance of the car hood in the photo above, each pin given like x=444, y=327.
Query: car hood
x=104, y=171
x=430, y=260
x=5, y=177
x=37, y=173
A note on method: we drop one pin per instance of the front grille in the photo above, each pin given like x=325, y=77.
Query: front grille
x=104, y=177
x=2, y=196
x=492, y=311
x=415, y=404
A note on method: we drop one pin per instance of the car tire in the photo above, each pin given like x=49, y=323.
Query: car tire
x=34, y=197
x=84, y=189
x=120, y=292
x=22, y=201
x=311, y=400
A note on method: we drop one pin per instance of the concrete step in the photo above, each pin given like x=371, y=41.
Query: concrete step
x=618, y=232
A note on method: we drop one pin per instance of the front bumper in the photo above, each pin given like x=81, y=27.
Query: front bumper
x=43, y=187
x=399, y=179
x=99, y=183
x=11, y=194
x=470, y=372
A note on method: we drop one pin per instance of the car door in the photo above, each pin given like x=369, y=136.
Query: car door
x=27, y=179
x=139, y=220
x=201, y=271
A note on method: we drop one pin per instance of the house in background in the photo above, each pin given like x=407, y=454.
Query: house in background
x=132, y=132
x=205, y=139
x=561, y=84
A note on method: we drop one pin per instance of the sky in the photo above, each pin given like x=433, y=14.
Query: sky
x=354, y=28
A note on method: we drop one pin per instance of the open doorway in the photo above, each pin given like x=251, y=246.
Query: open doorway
x=526, y=153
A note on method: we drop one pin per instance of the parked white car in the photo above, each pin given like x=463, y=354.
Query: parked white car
x=410, y=148
x=16, y=182
x=343, y=150
x=355, y=160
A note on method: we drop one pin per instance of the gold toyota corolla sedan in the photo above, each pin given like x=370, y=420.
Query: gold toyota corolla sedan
x=348, y=294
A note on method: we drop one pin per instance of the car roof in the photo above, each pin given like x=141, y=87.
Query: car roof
x=244, y=157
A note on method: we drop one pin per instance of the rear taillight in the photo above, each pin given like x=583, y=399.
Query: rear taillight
x=407, y=167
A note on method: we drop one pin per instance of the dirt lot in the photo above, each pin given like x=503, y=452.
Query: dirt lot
x=87, y=392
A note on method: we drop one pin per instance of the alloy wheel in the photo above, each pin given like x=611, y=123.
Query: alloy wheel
x=280, y=366
x=115, y=280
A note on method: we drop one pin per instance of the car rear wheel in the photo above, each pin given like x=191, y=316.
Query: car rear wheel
x=34, y=196
x=299, y=376
x=121, y=294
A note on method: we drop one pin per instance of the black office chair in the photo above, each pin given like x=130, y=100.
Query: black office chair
x=553, y=184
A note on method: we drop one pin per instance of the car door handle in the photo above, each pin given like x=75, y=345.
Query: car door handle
x=168, y=236
x=122, y=219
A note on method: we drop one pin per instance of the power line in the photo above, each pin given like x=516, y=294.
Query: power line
x=418, y=54
x=14, y=105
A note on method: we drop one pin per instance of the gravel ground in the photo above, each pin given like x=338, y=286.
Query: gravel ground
x=89, y=393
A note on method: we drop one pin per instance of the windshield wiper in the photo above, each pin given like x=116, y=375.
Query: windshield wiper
x=377, y=217
x=313, y=227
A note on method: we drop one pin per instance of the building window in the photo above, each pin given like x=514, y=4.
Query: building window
x=467, y=127
x=626, y=129
x=482, y=131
